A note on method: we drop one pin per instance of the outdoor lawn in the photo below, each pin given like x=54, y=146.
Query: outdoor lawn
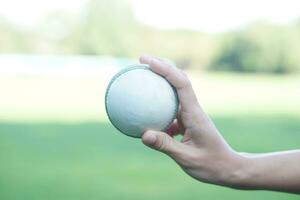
x=56, y=142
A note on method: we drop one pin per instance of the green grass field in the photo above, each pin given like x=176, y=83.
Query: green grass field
x=68, y=154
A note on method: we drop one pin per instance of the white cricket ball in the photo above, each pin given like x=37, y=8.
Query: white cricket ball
x=138, y=99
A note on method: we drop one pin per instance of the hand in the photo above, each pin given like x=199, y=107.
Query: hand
x=202, y=153
x=205, y=155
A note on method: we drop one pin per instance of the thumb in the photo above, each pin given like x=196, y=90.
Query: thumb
x=162, y=142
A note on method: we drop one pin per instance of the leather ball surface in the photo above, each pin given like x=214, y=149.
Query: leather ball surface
x=137, y=99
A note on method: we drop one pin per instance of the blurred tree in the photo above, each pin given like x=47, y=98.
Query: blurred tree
x=189, y=49
x=260, y=48
x=52, y=34
x=12, y=39
x=107, y=27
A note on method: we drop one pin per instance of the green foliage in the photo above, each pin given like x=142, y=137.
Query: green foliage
x=12, y=39
x=188, y=49
x=260, y=48
x=108, y=27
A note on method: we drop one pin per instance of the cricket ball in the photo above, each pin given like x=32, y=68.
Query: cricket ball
x=138, y=99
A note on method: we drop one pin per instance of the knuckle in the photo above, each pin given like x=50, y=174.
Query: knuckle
x=185, y=81
x=183, y=77
x=163, y=143
x=183, y=73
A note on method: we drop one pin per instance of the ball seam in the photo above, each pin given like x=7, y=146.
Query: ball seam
x=125, y=70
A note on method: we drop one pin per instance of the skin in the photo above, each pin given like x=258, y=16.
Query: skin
x=206, y=156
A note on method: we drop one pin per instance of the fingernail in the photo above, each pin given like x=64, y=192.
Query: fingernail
x=146, y=58
x=149, y=138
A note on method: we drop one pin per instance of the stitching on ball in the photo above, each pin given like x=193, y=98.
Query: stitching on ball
x=125, y=70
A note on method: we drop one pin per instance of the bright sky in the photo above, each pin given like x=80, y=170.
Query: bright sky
x=208, y=15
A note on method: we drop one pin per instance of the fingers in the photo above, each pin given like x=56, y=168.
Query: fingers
x=177, y=78
x=166, y=69
x=163, y=142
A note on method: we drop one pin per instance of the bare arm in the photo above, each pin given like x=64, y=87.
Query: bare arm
x=271, y=171
x=205, y=155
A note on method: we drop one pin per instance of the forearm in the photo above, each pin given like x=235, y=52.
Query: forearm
x=278, y=171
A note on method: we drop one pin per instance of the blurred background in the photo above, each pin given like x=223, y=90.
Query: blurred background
x=57, y=56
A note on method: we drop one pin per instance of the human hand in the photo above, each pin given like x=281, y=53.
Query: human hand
x=202, y=152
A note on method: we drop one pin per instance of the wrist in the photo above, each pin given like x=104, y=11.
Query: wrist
x=237, y=174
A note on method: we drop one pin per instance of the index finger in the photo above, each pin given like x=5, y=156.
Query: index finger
x=177, y=78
